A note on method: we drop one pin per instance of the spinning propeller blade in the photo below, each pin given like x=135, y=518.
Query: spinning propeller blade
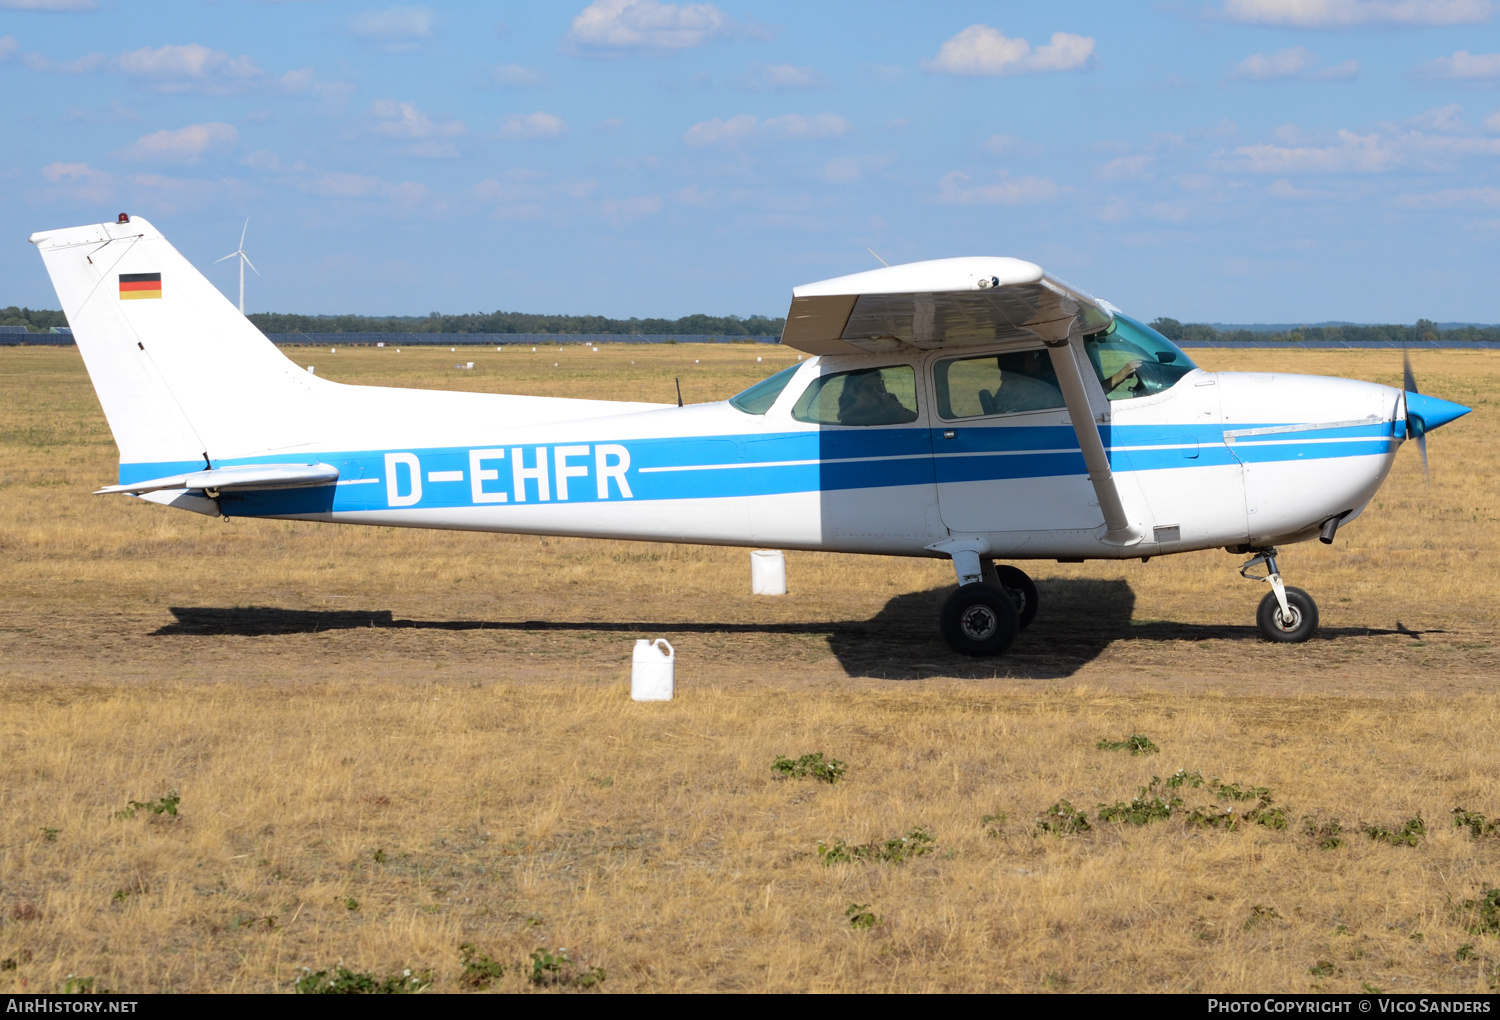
x=1415, y=426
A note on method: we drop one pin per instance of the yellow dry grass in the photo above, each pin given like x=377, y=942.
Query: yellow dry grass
x=389, y=743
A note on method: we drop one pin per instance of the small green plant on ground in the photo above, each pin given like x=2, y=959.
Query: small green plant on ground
x=340, y=980
x=166, y=805
x=1143, y=809
x=479, y=968
x=1474, y=822
x=993, y=824
x=1326, y=834
x=350, y=903
x=1210, y=817
x=1484, y=913
x=1234, y=791
x=1136, y=743
x=811, y=766
x=1182, y=777
x=860, y=917
x=1465, y=952
x=1323, y=968
x=555, y=967
x=897, y=850
x=75, y=985
x=50, y=835
x=1407, y=835
x=1062, y=819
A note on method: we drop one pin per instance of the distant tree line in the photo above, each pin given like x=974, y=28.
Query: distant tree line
x=36, y=320
x=517, y=322
x=1422, y=329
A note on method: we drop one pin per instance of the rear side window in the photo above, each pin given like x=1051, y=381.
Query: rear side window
x=996, y=384
x=866, y=396
x=759, y=398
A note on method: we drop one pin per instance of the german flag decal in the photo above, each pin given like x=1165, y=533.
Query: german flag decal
x=134, y=286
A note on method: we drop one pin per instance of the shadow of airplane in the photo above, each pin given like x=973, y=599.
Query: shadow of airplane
x=1078, y=620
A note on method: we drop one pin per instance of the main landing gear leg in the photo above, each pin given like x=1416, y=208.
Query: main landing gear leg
x=1286, y=615
x=981, y=617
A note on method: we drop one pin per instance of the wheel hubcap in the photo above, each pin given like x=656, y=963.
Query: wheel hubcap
x=979, y=623
x=1291, y=622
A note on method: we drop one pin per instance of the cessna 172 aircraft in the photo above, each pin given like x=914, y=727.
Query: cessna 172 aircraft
x=975, y=409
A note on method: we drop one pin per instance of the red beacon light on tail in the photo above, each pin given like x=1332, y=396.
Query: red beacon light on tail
x=124, y=218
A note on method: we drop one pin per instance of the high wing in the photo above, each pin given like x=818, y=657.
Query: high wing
x=942, y=303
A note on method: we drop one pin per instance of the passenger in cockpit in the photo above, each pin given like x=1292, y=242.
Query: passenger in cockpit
x=864, y=400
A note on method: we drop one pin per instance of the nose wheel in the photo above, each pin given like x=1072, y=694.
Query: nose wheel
x=1286, y=615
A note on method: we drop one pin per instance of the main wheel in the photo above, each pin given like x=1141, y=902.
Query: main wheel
x=980, y=619
x=1302, y=624
x=1022, y=591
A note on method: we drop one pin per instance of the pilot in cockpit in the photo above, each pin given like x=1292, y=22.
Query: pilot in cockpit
x=864, y=400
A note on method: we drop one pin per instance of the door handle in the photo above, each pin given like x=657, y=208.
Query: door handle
x=949, y=433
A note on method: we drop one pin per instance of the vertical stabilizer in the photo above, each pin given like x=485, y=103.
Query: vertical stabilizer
x=181, y=374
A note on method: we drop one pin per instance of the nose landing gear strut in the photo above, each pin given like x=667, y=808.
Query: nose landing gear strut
x=1286, y=615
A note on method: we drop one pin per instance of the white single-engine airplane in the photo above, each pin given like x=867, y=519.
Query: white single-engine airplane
x=969, y=408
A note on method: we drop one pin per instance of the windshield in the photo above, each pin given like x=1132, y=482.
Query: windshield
x=1134, y=360
x=759, y=398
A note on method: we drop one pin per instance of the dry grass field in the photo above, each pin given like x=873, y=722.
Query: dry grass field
x=388, y=744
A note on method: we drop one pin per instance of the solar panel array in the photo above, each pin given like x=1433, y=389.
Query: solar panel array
x=13, y=329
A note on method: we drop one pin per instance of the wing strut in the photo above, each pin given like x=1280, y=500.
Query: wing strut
x=1065, y=352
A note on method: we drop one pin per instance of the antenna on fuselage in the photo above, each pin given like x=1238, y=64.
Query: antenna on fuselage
x=679, y=391
x=882, y=261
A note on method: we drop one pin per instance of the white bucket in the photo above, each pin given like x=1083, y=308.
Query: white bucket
x=652, y=670
x=767, y=572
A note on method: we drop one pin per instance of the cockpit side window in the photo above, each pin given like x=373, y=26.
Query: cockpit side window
x=996, y=384
x=865, y=396
x=1134, y=360
x=759, y=398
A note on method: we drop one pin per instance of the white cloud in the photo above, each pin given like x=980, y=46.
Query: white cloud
x=519, y=126
x=982, y=50
x=1463, y=66
x=780, y=78
x=955, y=189
x=798, y=126
x=744, y=127
x=1351, y=13
x=1453, y=198
x=192, y=68
x=621, y=211
x=49, y=5
x=83, y=65
x=520, y=194
x=1289, y=63
x=185, y=145
x=848, y=169
x=395, y=29
x=719, y=132
x=1493, y=121
x=1294, y=63
x=514, y=76
x=404, y=120
x=615, y=26
x=1126, y=168
x=1352, y=154
x=1010, y=145
x=79, y=181
x=8, y=47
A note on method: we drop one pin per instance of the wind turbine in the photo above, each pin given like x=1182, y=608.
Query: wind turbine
x=244, y=261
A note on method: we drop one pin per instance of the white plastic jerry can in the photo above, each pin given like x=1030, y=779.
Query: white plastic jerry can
x=652, y=670
x=767, y=572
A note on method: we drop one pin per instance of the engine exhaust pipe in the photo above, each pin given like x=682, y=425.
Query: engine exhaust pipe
x=1331, y=528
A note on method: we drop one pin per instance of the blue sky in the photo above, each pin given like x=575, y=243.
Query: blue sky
x=1211, y=160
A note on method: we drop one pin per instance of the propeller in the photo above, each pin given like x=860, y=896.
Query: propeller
x=1415, y=426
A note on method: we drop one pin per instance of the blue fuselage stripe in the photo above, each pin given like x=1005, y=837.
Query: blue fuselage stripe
x=769, y=464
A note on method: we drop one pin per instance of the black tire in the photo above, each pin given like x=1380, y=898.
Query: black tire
x=980, y=619
x=1022, y=591
x=1304, y=622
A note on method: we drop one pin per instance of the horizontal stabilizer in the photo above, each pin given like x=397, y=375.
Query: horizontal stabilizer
x=241, y=476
